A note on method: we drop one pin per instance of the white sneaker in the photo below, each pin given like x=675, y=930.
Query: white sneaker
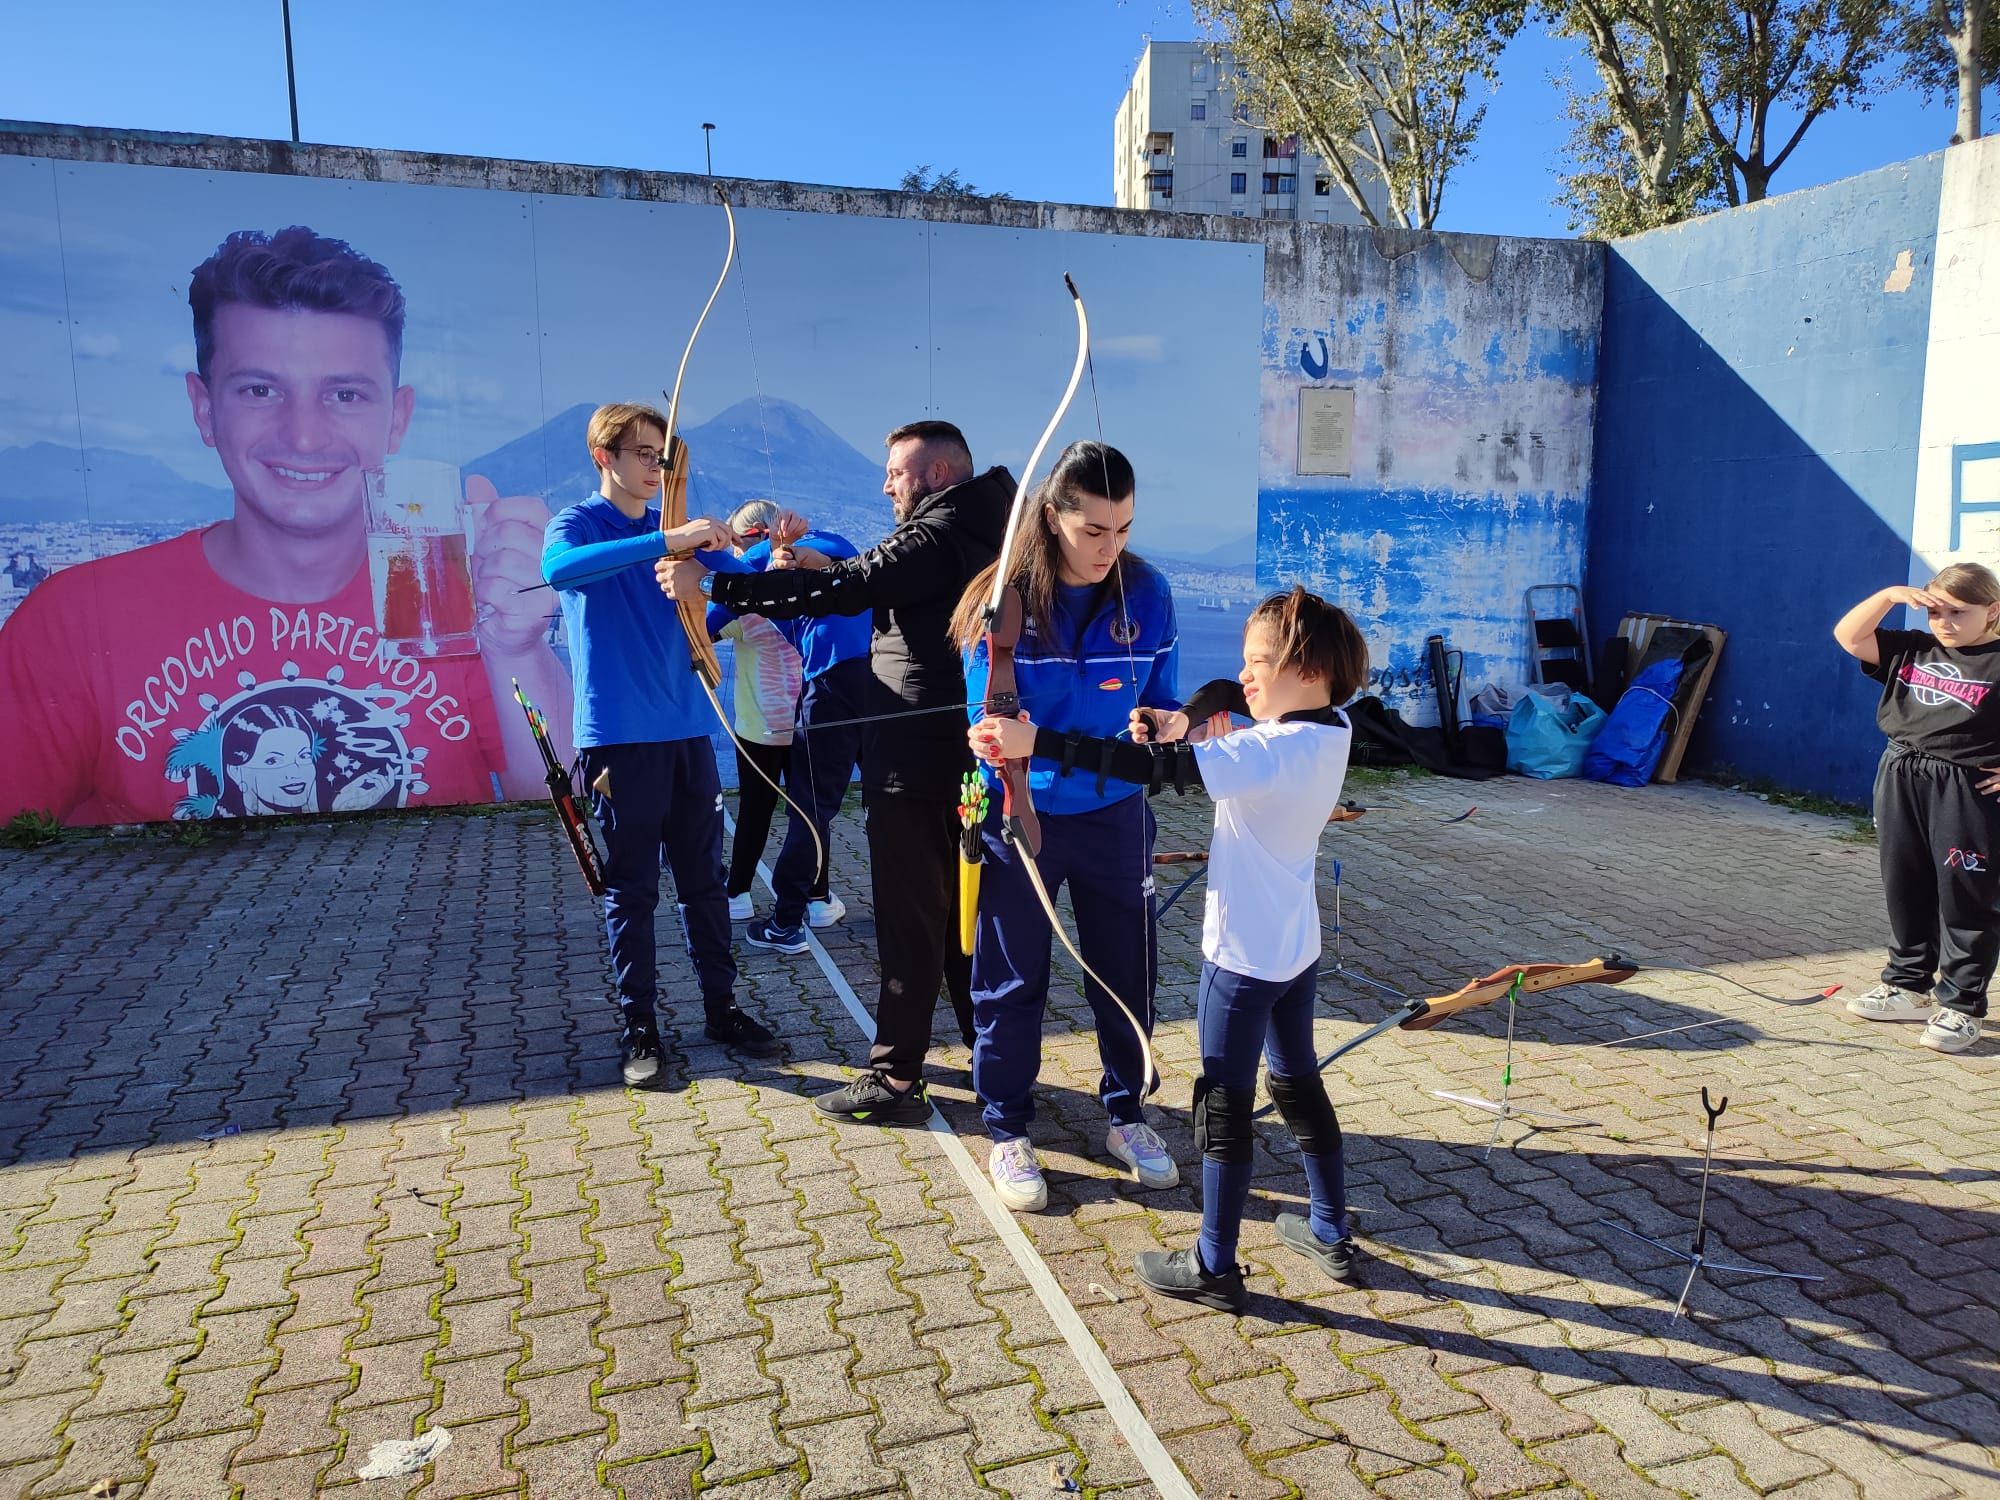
x=825, y=913
x=741, y=908
x=1887, y=1003
x=1140, y=1148
x=1017, y=1176
x=1950, y=1031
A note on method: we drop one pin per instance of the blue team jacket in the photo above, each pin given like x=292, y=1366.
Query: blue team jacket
x=1088, y=681
x=628, y=655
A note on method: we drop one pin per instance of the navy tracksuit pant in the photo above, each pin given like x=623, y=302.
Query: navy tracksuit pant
x=1241, y=1019
x=664, y=798
x=1939, y=838
x=821, y=766
x=1105, y=857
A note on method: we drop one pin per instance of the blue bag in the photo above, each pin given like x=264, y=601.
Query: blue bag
x=1635, y=736
x=1547, y=741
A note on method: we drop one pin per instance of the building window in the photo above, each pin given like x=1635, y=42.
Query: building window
x=1198, y=109
x=1161, y=183
x=1280, y=182
x=1239, y=148
x=1237, y=213
x=1198, y=72
x=1322, y=187
x=1239, y=182
x=1160, y=143
x=1274, y=146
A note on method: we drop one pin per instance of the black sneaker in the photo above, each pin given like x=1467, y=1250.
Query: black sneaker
x=768, y=934
x=1295, y=1232
x=1179, y=1273
x=733, y=1028
x=640, y=1048
x=869, y=1099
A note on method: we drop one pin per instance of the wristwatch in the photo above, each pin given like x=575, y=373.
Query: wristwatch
x=707, y=585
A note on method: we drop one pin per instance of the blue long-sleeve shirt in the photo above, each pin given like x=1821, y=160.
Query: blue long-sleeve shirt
x=628, y=655
x=1088, y=679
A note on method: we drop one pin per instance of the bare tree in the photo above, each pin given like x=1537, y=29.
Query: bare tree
x=1378, y=88
x=1951, y=46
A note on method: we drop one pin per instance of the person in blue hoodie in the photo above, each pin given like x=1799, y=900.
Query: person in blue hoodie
x=642, y=725
x=826, y=742
x=1097, y=640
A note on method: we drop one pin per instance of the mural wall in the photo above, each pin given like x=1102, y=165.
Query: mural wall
x=1796, y=410
x=1425, y=437
x=269, y=561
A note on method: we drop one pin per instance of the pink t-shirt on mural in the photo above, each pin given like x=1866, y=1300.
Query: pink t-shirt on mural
x=143, y=687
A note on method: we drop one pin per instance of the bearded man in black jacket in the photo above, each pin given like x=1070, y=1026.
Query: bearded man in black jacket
x=949, y=523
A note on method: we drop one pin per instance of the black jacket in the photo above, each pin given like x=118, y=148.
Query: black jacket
x=912, y=581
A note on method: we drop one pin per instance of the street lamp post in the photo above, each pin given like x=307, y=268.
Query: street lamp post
x=708, y=156
x=291, y=78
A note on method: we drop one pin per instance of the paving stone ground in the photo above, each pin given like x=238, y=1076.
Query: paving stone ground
x=314, y=1139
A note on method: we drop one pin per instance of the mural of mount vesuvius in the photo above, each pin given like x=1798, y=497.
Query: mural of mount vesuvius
x=767, y=449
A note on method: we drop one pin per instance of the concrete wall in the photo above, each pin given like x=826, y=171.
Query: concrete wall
x=1472, y=367
x=1757, y=450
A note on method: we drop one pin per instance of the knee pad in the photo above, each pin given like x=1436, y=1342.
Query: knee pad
x=1308, y=1113
x=1222, y=1121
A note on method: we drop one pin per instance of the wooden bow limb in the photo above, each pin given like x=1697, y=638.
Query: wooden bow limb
x=1421, y=1014
x=1192, y=856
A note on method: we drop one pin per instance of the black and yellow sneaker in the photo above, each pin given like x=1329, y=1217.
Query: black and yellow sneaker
x=1180, y=1273
x=869, y=1098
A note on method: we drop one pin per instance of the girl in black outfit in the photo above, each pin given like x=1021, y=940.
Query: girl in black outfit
x=1937, y=799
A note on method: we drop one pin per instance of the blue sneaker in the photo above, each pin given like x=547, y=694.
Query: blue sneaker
x=768, y=934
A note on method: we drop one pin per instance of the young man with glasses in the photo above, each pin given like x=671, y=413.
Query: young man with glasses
x=642, y=725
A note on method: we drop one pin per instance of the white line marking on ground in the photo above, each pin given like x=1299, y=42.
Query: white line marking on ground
x=1132, y=1424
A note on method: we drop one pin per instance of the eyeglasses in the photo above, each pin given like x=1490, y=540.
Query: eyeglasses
x=652, y=458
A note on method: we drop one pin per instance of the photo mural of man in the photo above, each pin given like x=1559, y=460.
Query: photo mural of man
x=239, y=669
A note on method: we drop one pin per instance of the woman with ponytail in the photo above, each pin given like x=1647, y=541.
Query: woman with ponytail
x=1097, y=640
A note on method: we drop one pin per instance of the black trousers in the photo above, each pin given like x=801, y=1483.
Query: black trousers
x=1939, y=837
x=756, y=802
x=913, y=875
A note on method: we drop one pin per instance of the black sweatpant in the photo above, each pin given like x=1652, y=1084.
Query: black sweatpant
x=913, y=874
x=1939, y=837
x=756, y=801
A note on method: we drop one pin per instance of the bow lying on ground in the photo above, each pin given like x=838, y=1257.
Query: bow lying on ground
x=562, y=791
x=1531, y=979
x=674, y=474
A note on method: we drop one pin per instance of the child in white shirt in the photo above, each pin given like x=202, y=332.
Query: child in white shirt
x=1275, y=784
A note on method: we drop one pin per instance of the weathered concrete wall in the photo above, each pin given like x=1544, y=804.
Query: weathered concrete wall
x=1757, y=447
x=1472, y=363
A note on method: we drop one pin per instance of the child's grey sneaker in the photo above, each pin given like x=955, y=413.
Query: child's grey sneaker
x=1950, y=1031
x=1887, y=1003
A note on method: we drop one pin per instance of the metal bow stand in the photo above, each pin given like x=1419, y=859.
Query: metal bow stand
x=1340, y=969
x=1505, y=1109
x=1696, y=1258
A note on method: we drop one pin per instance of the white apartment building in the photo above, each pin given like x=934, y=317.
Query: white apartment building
x=1184, y=144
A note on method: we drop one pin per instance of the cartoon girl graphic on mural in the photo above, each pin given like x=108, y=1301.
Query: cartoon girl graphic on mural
x=294, y=746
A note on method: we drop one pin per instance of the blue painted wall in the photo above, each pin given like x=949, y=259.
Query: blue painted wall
x=1473, y=367
x=1760, y=386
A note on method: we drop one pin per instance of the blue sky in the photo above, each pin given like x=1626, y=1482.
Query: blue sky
x=1017, y=97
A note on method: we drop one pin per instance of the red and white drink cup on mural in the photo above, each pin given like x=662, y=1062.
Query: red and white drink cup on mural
x=417, y=558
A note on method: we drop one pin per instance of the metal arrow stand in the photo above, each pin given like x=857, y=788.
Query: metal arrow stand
x=1696, y=1258
x=1506, y=1109
x=1340, y=969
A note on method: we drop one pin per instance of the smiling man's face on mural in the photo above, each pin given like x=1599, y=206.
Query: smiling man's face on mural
x=298, y=344
x=296, y=404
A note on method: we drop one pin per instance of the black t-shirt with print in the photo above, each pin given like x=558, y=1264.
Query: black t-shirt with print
x=1941, y=700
